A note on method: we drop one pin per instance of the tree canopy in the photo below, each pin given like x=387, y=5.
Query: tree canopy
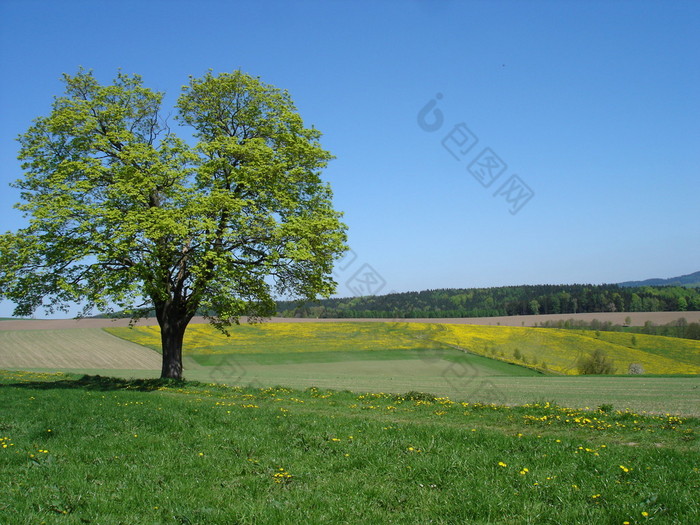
x=125, y=214
x=503, y=300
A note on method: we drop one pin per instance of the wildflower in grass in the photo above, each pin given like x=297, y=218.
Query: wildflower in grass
x=502, y=464
x=524, y=471
x=625, y=469
x=645, y=514
x=282, y=476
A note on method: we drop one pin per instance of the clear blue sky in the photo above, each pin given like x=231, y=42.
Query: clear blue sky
x=594, y=105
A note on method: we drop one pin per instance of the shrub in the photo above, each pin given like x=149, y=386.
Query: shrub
x=635, y=369
x=597, y=363
x=414, y=395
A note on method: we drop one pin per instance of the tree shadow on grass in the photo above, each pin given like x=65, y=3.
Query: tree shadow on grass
x=97, y=382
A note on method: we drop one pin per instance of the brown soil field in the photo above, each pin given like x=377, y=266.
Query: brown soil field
x=77, y=348
x=637, y=318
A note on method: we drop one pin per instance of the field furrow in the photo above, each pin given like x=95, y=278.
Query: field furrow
x=84, y=348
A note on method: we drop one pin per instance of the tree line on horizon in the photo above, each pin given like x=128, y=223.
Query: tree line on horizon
x=501, y=301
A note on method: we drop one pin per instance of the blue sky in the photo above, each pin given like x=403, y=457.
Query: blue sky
x=593, y=107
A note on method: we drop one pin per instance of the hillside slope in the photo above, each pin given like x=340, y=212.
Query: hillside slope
x=690, y=280
x=545, y=349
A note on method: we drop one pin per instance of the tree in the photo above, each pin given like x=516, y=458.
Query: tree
x=597, y=362
x=534, y=306
x=635, y=303
x=124, y=214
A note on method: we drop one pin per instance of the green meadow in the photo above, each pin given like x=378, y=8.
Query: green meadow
x=109, y=451
x=460, y=361
x=346, y=423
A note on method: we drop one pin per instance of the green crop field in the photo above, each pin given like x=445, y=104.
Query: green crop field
x=108, y=451
x=544, y=349
x=463, y=362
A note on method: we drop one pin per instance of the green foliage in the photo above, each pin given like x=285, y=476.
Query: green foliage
x=596, y=363
x=504, y=300
x=122, y=212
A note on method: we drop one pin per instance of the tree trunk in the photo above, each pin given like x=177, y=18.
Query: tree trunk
x=172, y=332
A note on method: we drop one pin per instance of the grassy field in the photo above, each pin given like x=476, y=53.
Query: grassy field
x=389, y=357
x=559, y=350
x=108, y=451
x=540, y=348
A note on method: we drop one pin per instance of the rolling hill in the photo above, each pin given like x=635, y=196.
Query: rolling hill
x=546, y=350
x=692, y=280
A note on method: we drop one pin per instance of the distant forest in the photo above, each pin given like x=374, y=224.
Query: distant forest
x=504, y=300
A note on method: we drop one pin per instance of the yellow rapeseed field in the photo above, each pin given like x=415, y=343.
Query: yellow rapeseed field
x=559, y=350
x=542, y=348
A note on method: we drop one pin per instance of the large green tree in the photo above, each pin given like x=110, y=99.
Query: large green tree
x=125, y=214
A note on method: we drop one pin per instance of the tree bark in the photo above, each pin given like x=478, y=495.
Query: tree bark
x=172, y=332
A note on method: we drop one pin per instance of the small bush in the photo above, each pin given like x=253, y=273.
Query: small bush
x=635, y=369
x=597, y=363
x=414, y=395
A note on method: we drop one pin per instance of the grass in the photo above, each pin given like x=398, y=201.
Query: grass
x=545, y=349
x=285, y=338
x=684, y=351
x=108, y=451
x=375, y=357
x=561, y=349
